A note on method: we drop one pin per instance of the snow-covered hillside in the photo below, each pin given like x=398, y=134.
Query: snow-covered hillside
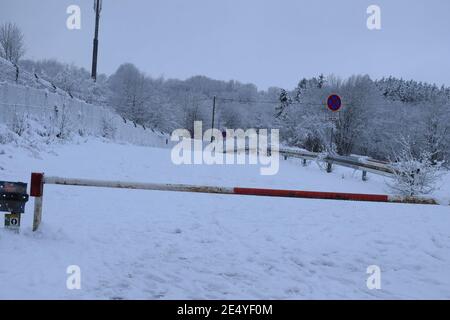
x=20, y=105
x=34, y=100
x=161, y=245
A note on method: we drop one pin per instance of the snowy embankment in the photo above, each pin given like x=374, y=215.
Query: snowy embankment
x=31, y=100
x=161, y=245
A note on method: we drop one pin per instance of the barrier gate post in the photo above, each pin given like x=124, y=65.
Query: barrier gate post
x=37, y=191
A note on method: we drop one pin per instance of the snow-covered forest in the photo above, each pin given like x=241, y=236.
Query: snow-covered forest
x=378, y=117
x=377, y=114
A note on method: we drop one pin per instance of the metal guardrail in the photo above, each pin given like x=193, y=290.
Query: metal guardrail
x=368, y=165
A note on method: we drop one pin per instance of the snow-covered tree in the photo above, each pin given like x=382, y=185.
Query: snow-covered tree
x=414, y=175
x=358, y=94
x=12, y=45
x=129, y=95
x=436, y=130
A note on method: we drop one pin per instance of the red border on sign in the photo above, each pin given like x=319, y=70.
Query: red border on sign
x=330, y=106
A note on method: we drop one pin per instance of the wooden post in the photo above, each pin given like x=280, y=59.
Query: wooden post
x=213, y=116
x=17, y=73
x=364, y=176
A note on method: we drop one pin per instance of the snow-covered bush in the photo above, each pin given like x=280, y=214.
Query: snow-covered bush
x=82, y=132
x=6, y=135
x=19, y=123
x=63, y=123
x=320, y=161
x=414, y=174
x=33, y=137
x=108, y=128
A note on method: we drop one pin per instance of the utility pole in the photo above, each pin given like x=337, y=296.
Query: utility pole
x=213, y=115
x=97, y=9
x=331, y=138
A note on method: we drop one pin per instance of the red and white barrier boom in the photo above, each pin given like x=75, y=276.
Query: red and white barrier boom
x=38, y=180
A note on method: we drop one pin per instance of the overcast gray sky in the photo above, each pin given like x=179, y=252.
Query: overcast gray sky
x=266, y=42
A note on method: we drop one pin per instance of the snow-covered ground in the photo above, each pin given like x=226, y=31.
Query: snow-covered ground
x=161, y=245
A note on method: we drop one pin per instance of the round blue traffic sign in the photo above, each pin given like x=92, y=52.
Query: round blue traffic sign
x=334, y=102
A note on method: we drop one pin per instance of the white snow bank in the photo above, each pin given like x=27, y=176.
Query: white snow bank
x=160, y=245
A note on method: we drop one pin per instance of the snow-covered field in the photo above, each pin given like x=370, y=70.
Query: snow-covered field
x=160, y=245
